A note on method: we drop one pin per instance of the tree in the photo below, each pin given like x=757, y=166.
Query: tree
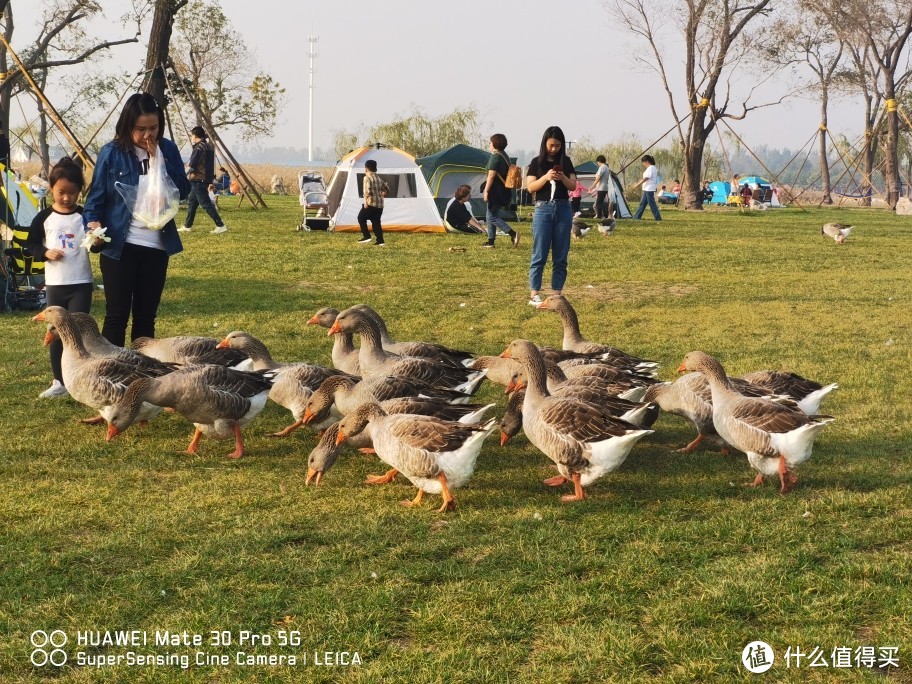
x=158, y=49
x=61, y=42
x=805, y=37
x=717, y=36
x=215, y=66
x=883, y=27
x=420, y=135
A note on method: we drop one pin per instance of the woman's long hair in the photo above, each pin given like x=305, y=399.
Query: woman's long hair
x=556, y=133
x=136, y=106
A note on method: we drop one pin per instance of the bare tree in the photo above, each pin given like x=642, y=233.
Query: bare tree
x=158, y=50
x=717, y=36
x=879, y=32
x=806, y=38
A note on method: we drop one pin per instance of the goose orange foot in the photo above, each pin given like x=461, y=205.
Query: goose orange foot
x=287, y=431
x=386, y=478
x=787, y=478
x=555, y=481
x=238, y=443
x=578, y=493
x=757, y=481
x=690, y=448
x=367, y=450
x=194, y=443
x=97, y=420
x=449, y=503
x=413, y=502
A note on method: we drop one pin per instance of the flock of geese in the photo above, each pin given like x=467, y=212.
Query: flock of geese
x=584, y=405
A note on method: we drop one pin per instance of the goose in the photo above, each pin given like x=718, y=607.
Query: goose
x=573, y=339
x=346, y=394
x=435, y=455
x=777, y=437
x=807, y=393
x=429, y=350
x=690, y=397
x=97, y=382
x=293, y=383
x=375, y=360
x=188, y=350
x=585, y=441
x=499, y=371
x=625, y=387
x=837, y=231
x=324, y=455
x=511, y=421
x=641, y=414
x=344, y=351
x=219, y=401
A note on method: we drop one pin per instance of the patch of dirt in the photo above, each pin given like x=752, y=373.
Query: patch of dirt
x=628, y=292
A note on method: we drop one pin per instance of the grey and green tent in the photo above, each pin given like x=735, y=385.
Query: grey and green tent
x=585, y=174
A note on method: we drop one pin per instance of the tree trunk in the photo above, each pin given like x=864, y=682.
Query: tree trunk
x=824, y=160
x=6, y=85
x=891, y=154
x=159, y=42
x=870, y=148
x=697, y=134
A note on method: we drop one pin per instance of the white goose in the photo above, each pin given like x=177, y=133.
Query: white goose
x=435, y=455
x=776, y=437
x=585, y=441
x=838, y=231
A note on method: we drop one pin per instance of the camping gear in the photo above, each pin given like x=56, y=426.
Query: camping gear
x=312, y=196
x=585, y=174
x=761, y=190
x=21, y=278
x=409, y=206
x=457, y=165
x=720, y=190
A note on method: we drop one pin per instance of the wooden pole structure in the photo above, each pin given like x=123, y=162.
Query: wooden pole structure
x=51, y=111
x=248, y=188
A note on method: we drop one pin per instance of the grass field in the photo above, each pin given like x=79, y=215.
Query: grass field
x=663, y=574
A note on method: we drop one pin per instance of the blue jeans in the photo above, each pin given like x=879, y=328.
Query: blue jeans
x=649, y=197
x=199, y=197
x=551, y=225
x=493, y=221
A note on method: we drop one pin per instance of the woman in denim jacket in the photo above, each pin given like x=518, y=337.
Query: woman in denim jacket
x=135, y=262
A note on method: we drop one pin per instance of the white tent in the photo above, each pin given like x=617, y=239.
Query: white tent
x=409, y=207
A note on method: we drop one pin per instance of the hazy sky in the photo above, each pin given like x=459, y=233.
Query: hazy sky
x=524, y=65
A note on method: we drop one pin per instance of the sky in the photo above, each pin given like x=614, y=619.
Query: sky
x=523, y=64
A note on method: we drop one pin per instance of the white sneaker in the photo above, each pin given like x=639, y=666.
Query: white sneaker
x=535, y=301
x=55, y=390
x=184, y=229
x=219, y=230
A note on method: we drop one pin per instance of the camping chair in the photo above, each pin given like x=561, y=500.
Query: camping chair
x=22, y=278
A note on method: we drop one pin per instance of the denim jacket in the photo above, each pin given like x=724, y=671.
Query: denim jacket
x=105, y=205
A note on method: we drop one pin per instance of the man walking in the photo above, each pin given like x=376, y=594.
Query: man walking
x=374, y=190
x=200, y=173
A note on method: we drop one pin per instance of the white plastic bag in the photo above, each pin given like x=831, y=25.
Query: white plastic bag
x=156, y=200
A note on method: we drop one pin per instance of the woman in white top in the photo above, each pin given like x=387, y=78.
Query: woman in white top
x=649, y=181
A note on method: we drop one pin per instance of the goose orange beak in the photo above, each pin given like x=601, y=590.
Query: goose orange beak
x=682, y=368
x=315, y=475
x=506, y=354
x=335, y=329
x=224, y=344
x=340, y=437
x=48, y=338
x=543, y=305
x=504, y=438
x=511, y=387
x=39, y=317
x=313, y=320
x=112, y=432
x=307, y=417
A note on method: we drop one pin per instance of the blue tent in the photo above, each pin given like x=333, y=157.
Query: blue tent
x=721, y=191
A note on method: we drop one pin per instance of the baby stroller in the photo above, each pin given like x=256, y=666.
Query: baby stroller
x=21, y=278
x=312, y=196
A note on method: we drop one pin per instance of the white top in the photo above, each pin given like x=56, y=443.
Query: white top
x=140, y=233
x=651, y=174
x=603, y=178
x=66, y=232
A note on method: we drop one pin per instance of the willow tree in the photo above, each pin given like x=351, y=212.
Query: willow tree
x=717, y=37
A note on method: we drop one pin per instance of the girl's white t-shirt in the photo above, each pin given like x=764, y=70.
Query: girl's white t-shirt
x=651, y=174
x=66, y=232
x=140, y=233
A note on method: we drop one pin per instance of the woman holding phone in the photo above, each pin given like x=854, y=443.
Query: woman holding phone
x=550, y=179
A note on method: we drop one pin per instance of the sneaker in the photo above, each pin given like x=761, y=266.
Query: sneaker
x=219, y=230
x=184, y=229
x=535, y=300
x=379, y=244
x=488, y=245
x=577, y=214
x=515, y=237
x=364, y=241
x=55, y=390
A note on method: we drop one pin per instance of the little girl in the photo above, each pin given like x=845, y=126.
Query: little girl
x=56, y=237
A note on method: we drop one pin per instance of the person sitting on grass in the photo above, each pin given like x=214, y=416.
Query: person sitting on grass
x=457, y=216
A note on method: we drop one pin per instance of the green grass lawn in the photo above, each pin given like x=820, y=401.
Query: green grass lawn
x=663, y=574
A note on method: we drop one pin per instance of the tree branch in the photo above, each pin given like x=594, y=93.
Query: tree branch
x=80, y=58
